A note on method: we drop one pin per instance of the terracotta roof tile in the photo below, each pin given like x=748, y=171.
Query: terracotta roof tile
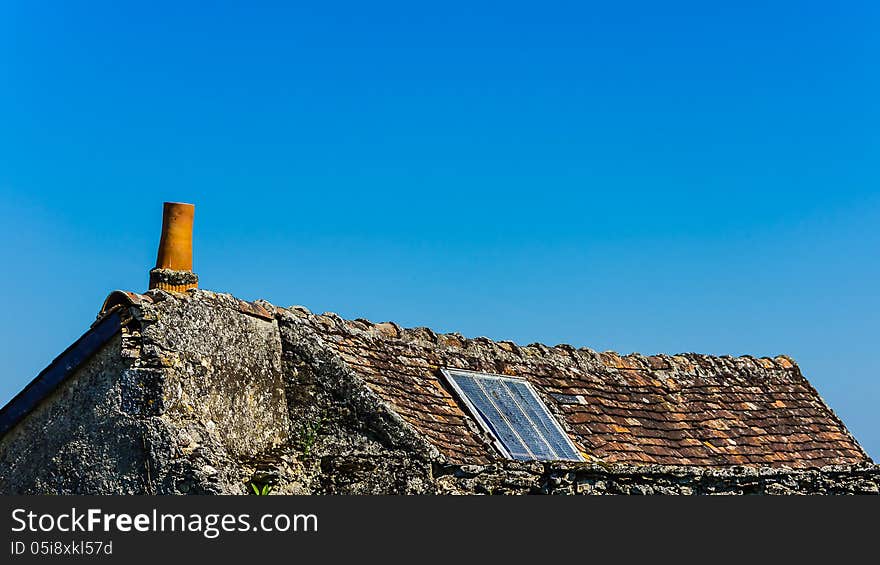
x=685, y=409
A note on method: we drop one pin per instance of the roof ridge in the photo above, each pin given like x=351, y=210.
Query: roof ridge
x=613, y=358
x=389, y=329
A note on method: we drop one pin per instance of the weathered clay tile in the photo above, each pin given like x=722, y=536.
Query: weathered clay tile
x=685, y=409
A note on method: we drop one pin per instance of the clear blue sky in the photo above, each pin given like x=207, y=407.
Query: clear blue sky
x=636, y=176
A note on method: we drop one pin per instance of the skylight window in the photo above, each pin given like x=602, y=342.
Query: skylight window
x=513, y=413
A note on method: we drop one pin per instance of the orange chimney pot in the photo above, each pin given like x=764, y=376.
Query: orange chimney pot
x=173, y=270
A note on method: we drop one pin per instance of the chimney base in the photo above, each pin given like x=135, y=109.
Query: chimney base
x=173, y=281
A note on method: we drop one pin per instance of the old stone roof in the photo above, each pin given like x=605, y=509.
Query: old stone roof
x=683, y=410
x=686, y=409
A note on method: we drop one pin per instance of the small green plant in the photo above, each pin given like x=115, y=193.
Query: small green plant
x=309, y=434
x=260, y=490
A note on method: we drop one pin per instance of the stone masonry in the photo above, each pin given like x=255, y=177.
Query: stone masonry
x=202, y=393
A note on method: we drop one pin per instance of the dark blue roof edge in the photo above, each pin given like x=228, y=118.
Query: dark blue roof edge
x=58, y=370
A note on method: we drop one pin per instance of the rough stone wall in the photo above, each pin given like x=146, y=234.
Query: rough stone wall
x=212, y=376
x=180, y=402
x=192, y=398
x=580, y=479
x=348, y=440
x=79, y=440
x=215, y=366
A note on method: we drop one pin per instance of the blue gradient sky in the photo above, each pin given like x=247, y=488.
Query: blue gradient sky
x=652, y=177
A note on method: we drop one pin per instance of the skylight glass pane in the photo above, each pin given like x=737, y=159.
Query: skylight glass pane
x=520, y=421
x=493, y=417
x=559, y=444
x=513, y=413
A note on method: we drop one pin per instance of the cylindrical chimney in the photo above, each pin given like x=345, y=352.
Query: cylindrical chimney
x=173, y=270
